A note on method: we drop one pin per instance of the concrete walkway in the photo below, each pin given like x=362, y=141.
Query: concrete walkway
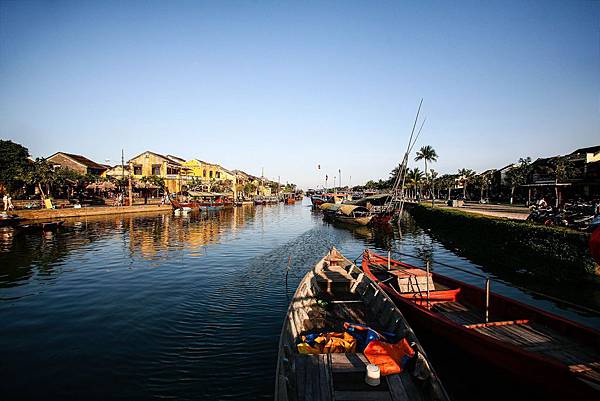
x=506, y=211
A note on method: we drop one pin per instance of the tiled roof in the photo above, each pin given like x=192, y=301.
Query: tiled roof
x=82, y=160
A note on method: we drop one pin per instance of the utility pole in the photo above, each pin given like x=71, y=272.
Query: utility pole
x=340, y=174
x=130, y=186
x=122, y=170
x=334, y=190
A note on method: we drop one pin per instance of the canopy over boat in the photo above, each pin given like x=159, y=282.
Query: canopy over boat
x=350, y=210
x=377, y=200
x=330, y=207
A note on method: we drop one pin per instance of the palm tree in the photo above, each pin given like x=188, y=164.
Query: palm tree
x=427, y=154
x=465, y=175
x=414, y=178
x=432, y=176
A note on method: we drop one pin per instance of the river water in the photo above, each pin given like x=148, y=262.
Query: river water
x=156, y=306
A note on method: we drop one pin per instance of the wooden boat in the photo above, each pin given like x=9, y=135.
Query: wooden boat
x=536, y=347
x=350, y=296
x=9, y=220
x=349, y=214
x=318, y=200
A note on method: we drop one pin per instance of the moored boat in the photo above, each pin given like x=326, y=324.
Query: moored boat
x=350, y=214
x=339, y=324
x=537, y=348
x=289, y=199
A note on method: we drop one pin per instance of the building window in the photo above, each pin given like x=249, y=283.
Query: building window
x=172, y=170
x=137, y=170
x=156, y=169
x=204, y=173
x=211, y=174
x=218, y=174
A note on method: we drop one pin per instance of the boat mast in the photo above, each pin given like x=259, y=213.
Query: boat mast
x=398, y=188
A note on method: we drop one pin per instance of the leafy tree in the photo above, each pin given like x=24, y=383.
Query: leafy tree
x=39, y=173
x=466, y=175
x=563, y=171
x=66, y=177
x=250, y=188
x=371, y=184
x=427, y=154
x=14, y=163
x=517, y=175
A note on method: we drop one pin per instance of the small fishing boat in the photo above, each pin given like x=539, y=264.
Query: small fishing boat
x=535, y=347
x=289, y=199
x=332, y=346
x=318, y=200
x=9, y=220
x=349, y=214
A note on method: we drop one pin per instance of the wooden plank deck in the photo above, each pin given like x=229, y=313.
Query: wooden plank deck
x=459, y=313
x=545, y=341
x=341, y=377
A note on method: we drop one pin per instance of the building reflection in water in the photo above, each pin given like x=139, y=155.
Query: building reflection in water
x=25, y=256
x=153, y=239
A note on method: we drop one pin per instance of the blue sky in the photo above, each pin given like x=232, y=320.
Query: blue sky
x=289, y=85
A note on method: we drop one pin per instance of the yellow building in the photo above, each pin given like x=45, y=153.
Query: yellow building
x=171, y=168
x=212, y=175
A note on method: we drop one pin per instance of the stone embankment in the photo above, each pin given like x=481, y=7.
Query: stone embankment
x=53, y=214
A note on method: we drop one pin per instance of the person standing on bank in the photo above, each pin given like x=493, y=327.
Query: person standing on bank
x=5, y=200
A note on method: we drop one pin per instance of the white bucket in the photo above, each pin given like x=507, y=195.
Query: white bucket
x=372, y=377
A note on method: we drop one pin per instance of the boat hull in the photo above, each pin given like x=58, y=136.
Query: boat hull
x=524, y=367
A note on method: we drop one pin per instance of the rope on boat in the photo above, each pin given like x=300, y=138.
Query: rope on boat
x=525, y=289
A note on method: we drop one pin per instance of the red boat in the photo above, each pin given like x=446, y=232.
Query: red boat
x=538, y=348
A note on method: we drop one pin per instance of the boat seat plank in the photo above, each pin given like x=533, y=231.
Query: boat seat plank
x=348, y=362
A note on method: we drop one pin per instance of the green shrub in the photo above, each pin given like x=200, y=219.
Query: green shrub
x=556, y=251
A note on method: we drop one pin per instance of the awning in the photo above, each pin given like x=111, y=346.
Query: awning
x=349, y=209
